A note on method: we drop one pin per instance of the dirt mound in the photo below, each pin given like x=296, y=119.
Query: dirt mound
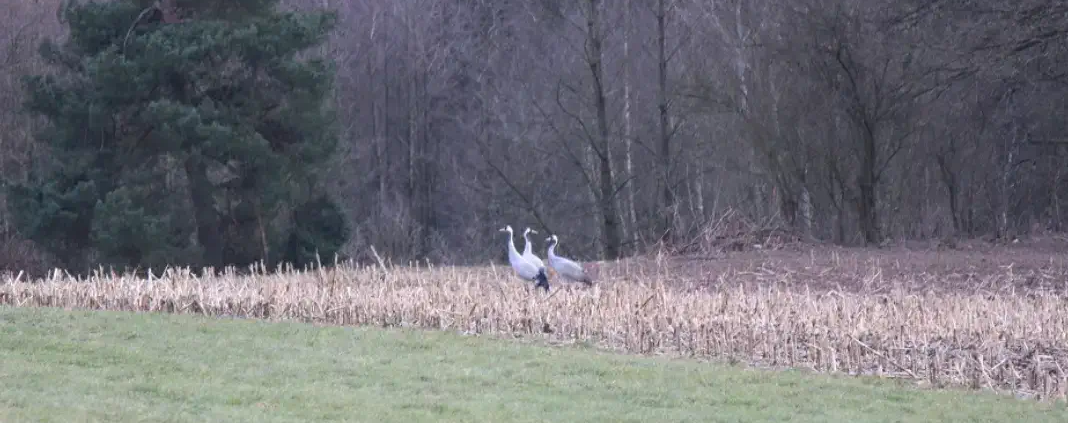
x=734, y=232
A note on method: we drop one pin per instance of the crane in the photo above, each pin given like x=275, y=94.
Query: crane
x=523, y=267
x=528, y=252
x=564, y=266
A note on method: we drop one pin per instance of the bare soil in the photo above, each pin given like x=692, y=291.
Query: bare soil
x=970, y=266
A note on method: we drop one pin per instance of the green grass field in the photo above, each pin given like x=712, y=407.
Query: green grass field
x=80, y=366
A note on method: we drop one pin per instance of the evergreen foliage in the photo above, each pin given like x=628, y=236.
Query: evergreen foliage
x=313, y=236
x=196, y=142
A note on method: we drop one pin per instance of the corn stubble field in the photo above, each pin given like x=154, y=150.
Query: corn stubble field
x=994, y=319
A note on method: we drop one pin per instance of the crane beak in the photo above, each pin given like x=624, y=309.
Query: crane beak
x=533, y=231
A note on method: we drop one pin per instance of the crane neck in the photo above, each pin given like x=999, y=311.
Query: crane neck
x=511, y=245
x=552, y=248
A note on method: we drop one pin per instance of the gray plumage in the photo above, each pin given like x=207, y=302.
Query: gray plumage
x=523, y=267
x=565, y=267
x=528, y=252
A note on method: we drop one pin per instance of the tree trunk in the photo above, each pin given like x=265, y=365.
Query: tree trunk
x=867, y=201
x=952, y=188
x=806, y=212
x=423, y=183
x=1006, y=184
x=609, y=214
x=207, y=219
x=628, y=132
x=667, y=205
x=384, y=138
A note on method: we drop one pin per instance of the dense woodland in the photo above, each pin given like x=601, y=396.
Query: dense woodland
x=619, y=125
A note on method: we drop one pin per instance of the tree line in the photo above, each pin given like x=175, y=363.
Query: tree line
x=180, y=131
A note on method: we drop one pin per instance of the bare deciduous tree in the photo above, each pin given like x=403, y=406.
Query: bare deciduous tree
x=619, y=125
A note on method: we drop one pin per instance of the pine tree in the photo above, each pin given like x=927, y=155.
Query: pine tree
x=182, y=132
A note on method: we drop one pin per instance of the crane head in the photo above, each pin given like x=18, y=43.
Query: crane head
x=507, y=228
x=529, y=231
x=551, y=239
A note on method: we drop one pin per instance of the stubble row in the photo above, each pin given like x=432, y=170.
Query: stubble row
x=1004, y=341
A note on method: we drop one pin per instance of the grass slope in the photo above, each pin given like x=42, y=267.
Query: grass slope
x=66, y=366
